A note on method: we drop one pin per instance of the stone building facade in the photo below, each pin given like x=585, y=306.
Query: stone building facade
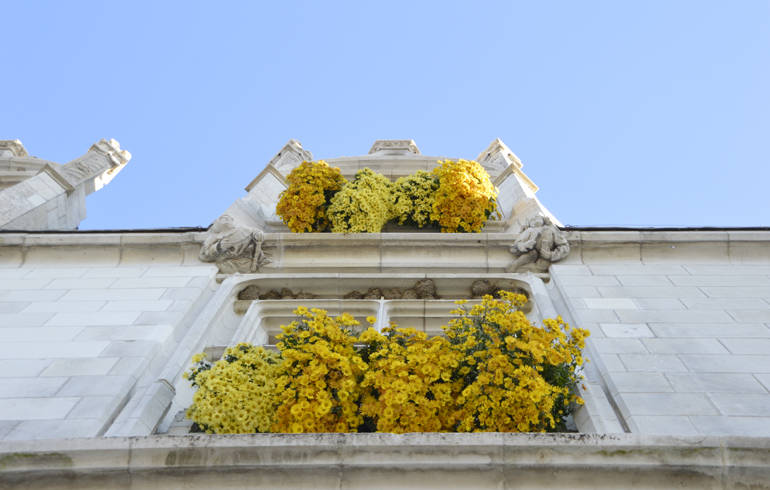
x=96, y=330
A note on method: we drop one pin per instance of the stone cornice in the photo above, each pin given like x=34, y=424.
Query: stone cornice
x=372, y=460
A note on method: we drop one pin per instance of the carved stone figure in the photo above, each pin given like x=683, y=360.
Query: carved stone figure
x=233, y=248
x=539, y=245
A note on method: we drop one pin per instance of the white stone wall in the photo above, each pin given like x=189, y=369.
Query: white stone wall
x=78, y=339
x=682, y=340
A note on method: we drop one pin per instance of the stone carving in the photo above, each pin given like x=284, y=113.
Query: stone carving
x=233, y=248
x=103, y=155
x=539, y=245
x=12, y=148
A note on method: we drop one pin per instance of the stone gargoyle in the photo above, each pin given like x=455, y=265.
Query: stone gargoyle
x=233, y=248
x=539, y=245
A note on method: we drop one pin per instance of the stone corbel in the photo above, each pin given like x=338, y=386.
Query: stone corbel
x=235, y=249
x=538, y=245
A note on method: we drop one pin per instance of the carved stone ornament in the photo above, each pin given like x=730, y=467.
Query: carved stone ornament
x=394, y=147
x=235, y=249
x=539, y=245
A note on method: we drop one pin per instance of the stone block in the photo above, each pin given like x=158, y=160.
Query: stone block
x=187, y=294
x=11, y=320
x=721, y=280
x=715, y=383
x=588, y=281
x=96, y=407
x=55, y=429
x=80, y=366
x=684, y=346
x=653, y=363
x=115, y=272
x=619, y=346
x=727, y=269
x=644, y=280
x=610, y=303
x=659, y=303
x=50, y=350
x=156, y=305
x=663, y=425
x=81, y=283
x=186, y=271
x=612, y=362
x=626, y=330
x=97, y=386
x=31, y=295
x=747, y=346
x=710, y=330
x=129, y=366
x=726, y=363
x=736, y=291
x=150, y=282
x=131, y=348
x=725, y=303
x=13, y=307
x=64, y=307
x=114, y=294
x=630, y=269
x=159, y=317
x=668, y=404
x=640, y=383
x=55, y=273
x=30, y=387
x=595, y=316
x=747, y=404
x=22, y=367
x=674, y=316
x=650, y=292
x=580, y=292
x=105, y=318
x=33, y=334
x=36, y=408
x=17, y=284
x=733, y=426
x=751, y=316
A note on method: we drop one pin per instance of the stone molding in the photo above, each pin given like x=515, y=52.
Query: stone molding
x=15, y=147
x=483, y=460
x=394, y=147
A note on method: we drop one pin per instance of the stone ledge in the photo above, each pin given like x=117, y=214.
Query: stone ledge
x=390, y=460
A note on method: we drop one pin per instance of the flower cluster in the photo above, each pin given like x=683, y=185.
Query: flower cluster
x=363, y=205
x=409, y=381
x=516, y=377
x=465, y=197
x=457, y=196
x=235, y=394
x=318, y=388
x=302, y=206
x=492, y=371
x=413, y=198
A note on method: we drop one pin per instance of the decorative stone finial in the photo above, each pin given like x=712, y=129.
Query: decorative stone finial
x=394, y=147
x=233, y=248
x=497, y=157
x=539, y=245
x=291, y=155
x=12, y=148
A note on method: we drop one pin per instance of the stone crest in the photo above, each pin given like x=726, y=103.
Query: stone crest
x=539, y=245
x=235, y=249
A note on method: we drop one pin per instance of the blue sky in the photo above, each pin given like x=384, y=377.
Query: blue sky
x=644, y=113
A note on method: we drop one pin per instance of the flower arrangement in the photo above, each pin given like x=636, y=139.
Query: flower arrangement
x=235, y=394
x=413, y=198
x=409, y=381
x=465, y=197
x=516, y=377
x=363, y=205
x=318, y=388
x=302, y=206
x=457, y=196
x=492, y=371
